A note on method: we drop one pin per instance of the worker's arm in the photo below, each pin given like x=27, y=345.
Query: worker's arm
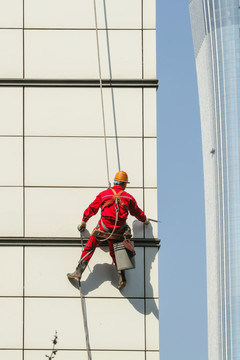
x=137, y=212
x=89, y=212
x=92, y=209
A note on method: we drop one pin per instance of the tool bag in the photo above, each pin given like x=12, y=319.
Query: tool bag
x=124, y=253
x=123, y=248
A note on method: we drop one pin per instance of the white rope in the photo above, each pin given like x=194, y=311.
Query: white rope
x=101, y=91
x=109, y=184
x=112, y=93
x=85, y=322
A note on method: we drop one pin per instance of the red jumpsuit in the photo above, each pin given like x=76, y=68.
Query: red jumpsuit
x=108, y=217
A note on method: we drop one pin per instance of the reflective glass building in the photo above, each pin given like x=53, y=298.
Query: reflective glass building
x=216, y=36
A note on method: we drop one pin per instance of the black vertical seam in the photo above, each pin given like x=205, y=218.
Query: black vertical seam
x=142, y=41
x=23, y=43
x=23, y=323
x=24, y=162
x=145, y=305
x=23, y=120
x=143, y=163
x=143, y=184
x=142, y=114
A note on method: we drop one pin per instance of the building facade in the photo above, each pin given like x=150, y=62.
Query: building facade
x=56, y=156
x=215, y=28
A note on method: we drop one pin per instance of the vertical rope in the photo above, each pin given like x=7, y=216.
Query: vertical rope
x=112, y=93
x=101, y=91
x=85, y=322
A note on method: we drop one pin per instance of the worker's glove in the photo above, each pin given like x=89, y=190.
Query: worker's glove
x=82, y=226
x=147, y=221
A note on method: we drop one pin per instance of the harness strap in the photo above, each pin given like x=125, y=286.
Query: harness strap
x=109, y=230
x=108, y=203
x=116, y=196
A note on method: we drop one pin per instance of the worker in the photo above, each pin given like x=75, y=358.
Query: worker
x=115, y=204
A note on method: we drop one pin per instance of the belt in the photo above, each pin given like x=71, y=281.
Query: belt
x=99, y=234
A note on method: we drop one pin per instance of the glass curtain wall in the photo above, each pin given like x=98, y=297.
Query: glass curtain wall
x=221, y=22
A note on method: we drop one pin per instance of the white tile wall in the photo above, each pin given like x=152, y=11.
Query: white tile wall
x=57, y=261
x=149, y=54
x=152, y=324
x=149, y=14
x=11, y=13
x=60, y=54
x=11, y=211
x=11, y=161
x=125, y=54
x=107, y=317
x=130, y=155
x=59, y=14
x=11, y=315
x=11, y=264
x=151, y=230
x=80, y=14
x=99, y=279
x=78, y=112
x=11, y=354
x=150, y=113
x=123, y=106
x=57, y=212
x=65, y=162
x=150, y=162
x=44, y=316
x=11, y=111
x=151, y=271
x=73, y=54
x=11, y=59
x=63, y=112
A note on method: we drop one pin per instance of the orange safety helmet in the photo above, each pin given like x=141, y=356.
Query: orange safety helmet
x=121, y=176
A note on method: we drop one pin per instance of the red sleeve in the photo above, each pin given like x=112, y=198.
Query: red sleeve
x=92, y=209
x=136, y=211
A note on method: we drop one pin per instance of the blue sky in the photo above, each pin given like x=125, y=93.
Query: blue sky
x=182, y=258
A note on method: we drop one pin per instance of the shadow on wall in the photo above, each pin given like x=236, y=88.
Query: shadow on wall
x=107, y=273
x=137, y=227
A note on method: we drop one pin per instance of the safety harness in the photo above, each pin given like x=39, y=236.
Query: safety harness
x=115, y=198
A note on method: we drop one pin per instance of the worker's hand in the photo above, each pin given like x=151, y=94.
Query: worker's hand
x=82, y=226
x=146, y=222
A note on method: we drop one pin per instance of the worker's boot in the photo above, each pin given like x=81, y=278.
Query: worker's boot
x=122, y=279
x=77, y=274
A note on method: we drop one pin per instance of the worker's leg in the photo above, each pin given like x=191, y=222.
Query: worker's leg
x=111, y=251
x=85, y=257
x=89, y=249
x=121, y=273
x=122, y=281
